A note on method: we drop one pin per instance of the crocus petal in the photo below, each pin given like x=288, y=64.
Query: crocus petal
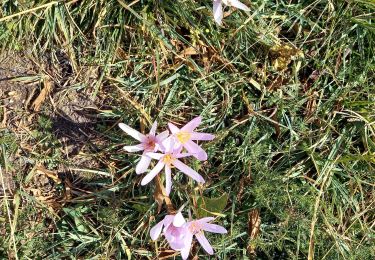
x=196, y=150
x=205, y=220
x=132, y=132
x=182, y=155
x=156, y=156
x=189, y=127
x=159, y=140
x=188, y=171
x=168, y=180
x=186, y=250
x=153, y=128
x=201, y=136
x=214, y=228
x=152, y=173
x=174, y=129
x=143, y=164
x=204, y=243
x=168, y=219
x=156, y=230
x=239, y=5
x=218, y=11
x=176, y=237
x=162, y=136
x=169, y=144
x=178, y=220
x=134, y=148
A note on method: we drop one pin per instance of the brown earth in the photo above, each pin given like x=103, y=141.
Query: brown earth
x=32, y=87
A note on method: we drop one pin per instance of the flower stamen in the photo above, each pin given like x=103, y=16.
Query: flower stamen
x=195, y=227
x=168, y=159
x=183, y=137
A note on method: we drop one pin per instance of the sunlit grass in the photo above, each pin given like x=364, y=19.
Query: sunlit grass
x=288, y=88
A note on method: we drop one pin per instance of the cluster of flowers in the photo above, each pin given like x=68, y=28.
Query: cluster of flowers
x=218, y=8
x=168, y=149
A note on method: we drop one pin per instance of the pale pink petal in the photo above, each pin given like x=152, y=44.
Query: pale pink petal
x=182, y=155
x=162, y=136
x=178, y=220
x=152, y=173
x=188, y=171
x=202, y=136
x=143, y=164
x=196, y=150
x=134, y=148
x=218, y=11
x=169, y=144
x=153, y=128
x=168, y=219
x=156, y=230
x=176, y=237
x=189, y=127
x=214, y=228
x=239, y=5
x=132, y=132
x=174, y=129
x=159, y=140
x=186, y=250
x=205, y=220
x=168, y=180
x=204, y=243
x=156, y=156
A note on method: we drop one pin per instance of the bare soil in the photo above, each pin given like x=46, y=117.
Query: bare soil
x=72, y=112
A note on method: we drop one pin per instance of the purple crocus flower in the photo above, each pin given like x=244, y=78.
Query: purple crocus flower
x=186, y=135
x=196, y=228
x=218, y=8
x=149, y=143
x=167, y=160
x=174, y=230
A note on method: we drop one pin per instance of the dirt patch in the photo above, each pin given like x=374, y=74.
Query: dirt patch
x=16, y=88
x=72, y=112
x=74, y=121
x=15, y=68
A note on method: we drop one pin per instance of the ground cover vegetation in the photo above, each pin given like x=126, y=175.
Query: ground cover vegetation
x=287, y=89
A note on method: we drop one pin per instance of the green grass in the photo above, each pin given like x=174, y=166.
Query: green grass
x=296, y=144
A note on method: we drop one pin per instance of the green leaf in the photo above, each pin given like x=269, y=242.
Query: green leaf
x=208, y=207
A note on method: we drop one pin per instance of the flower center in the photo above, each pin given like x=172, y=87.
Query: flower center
x=183, y=137
x=195, y=227
x=168, y=159
x=150, y=144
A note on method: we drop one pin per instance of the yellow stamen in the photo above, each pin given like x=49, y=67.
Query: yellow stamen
x=168, y=159
x=183, y=137
x=195, y=227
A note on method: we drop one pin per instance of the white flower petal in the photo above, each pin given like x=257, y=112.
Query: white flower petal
x=152, y=173
x=188, y=171
x=133, y=148
x=156, y=230
x=168, y=180
x=153, y=128
x=218, y=11
x=204, y=243
x=156, y=156
x=143, y=164
x=178, y=220
x=239, y=5
x=186, y=250
x=132, y=132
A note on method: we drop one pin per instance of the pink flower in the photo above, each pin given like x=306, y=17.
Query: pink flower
x=218, y=8
x=186, y=135
x=167, y=160
x=174, y=230
x=149, y=143
x=196, y=228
